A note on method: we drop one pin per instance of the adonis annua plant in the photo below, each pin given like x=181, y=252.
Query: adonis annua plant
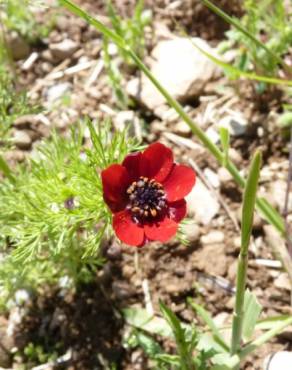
x=140, y=198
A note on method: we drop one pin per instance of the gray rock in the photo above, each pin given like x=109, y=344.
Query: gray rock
x=202, y=204
x=278, y=361
x=236, y=124
x=180, y=68
x=22, y=139
x=63, y=49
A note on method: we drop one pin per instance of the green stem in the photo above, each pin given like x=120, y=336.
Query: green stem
x=269, y=213
x=248, y=206
x=239, y=302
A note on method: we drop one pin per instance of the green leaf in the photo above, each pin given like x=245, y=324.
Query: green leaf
x=271, y=322
x=252, y=309
x=223, y=359
x=249, y=199
x=209, y=343
x=210, y=323
x=185, y=353
x=270, y=214
x=141, y=319
x=173, y=360
x=173, y=322
x=259, y=341
x=148, y=344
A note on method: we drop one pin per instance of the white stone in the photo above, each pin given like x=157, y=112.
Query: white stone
x=278, y=361
x=123, y=119
x=235, y=123
x=283, y=282
x=191, y=231
x=182, y=129
x=21, y=139
x=277, y=191
x=213, y=135
x=224, y=175
x=212, y=177
x=181, y=69
x=56, y=92
x=213, y=237
x=202, y=204
x=63, y=49
x=21, y=296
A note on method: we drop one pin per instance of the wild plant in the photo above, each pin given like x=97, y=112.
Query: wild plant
x=53, y=216
x=269, y=22
x=18, y=16
x=194, y=349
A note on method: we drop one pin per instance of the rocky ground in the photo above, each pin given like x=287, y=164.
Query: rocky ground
x=65, y=74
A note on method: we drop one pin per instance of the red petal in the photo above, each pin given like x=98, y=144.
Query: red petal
x=115, y=180
x=156, y=162
x=177, y=210
x=179, y=183
x=132, y=164
x=161, y=230
x=126, y=230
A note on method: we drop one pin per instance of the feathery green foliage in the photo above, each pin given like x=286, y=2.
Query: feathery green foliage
x=53, y=217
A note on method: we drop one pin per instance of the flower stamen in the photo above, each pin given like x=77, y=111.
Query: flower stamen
x=147, y=198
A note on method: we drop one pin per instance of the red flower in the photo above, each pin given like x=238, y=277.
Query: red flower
x=146, y=195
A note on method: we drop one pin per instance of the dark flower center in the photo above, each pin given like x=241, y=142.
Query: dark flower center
x=147, y=198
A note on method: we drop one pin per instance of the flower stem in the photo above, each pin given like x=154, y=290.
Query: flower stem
x=249, y=199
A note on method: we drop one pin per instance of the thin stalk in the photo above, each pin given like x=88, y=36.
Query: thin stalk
x=249, y=199
x=269, y=213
